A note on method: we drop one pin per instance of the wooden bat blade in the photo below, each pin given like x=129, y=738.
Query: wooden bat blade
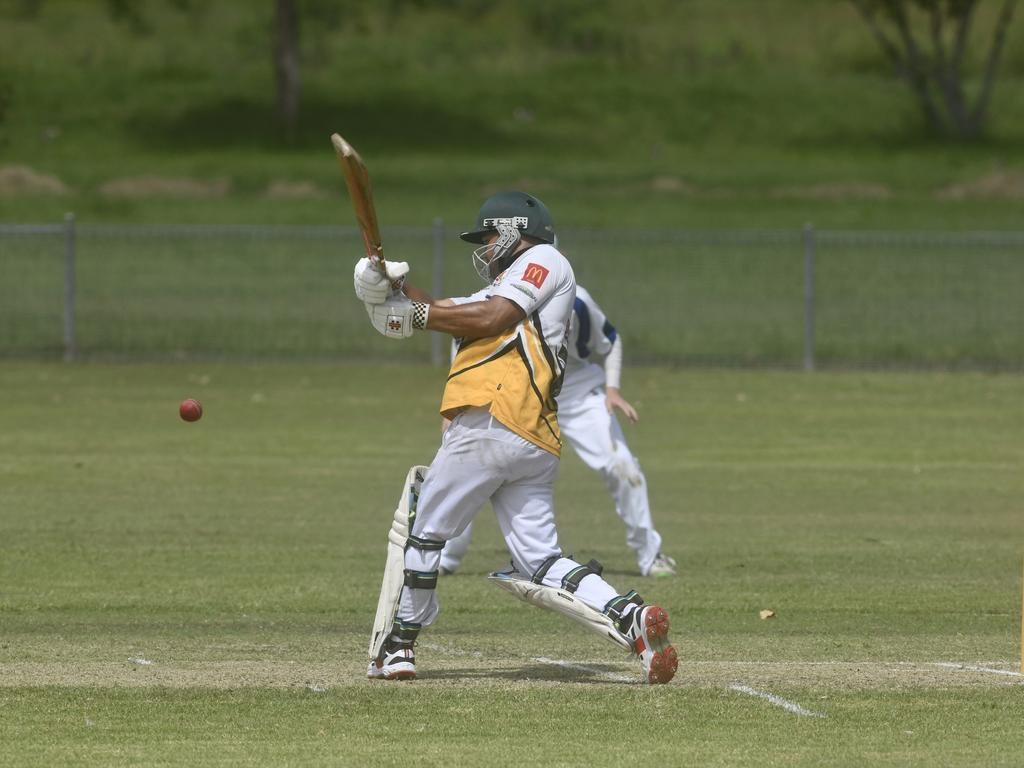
x=357, y=179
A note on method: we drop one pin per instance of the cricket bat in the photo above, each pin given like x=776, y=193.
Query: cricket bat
x=357, y=178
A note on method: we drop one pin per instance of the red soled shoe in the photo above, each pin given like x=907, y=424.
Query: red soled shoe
x=649, y=634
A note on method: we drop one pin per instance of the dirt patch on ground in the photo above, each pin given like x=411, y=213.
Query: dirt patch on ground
x=22, y=181
x=440, y=668
x=142, y=187
x=1000, y=185
x=294, y=190
x=835, y=192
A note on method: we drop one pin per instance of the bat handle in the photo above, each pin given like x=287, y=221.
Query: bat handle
x=377, y=261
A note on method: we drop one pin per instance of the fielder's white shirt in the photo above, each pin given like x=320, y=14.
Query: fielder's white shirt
x=591, y=336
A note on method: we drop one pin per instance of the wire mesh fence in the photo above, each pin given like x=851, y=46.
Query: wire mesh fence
x=786, y=298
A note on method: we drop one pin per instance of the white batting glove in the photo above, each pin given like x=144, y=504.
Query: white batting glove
x=372, y=287
x=397, y=316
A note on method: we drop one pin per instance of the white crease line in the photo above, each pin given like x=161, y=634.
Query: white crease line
x=778, y=701
x=586, y=669
x=969, y=668
x=140, y=660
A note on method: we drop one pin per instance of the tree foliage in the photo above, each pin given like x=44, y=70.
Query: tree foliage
x=286, y=64
x=926, y=41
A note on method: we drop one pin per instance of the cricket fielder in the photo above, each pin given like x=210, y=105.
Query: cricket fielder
x=590, y=393
x=504, y=441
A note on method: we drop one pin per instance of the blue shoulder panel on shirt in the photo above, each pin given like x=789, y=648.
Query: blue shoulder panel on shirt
x=609, y=331
x=584, y=330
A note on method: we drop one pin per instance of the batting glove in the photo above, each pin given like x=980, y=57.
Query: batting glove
x=372, y=287
x=397, y=317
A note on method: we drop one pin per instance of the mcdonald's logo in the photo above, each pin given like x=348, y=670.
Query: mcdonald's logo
x=535, y=274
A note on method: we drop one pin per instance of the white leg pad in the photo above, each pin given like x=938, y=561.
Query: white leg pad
x=394, y=562
x=565, y=603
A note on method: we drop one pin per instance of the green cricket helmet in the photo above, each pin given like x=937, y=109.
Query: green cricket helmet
x=525, y=212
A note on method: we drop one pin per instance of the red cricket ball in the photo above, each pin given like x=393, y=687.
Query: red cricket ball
x=190, y=409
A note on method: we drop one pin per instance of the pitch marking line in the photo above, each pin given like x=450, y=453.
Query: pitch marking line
x=778, y=701
x=969, y=668
x=583, y=668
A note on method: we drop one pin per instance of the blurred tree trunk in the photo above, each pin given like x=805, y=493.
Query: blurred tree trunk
x=286, y=64
x=934, y=71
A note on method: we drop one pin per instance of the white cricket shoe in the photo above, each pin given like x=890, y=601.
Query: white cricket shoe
x=663, y=565
x=649, y=633
x=399, y=664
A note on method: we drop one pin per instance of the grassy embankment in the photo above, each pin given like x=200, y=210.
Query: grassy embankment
x=746, y=114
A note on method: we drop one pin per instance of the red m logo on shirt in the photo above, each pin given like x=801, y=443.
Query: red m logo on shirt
x=535, y=274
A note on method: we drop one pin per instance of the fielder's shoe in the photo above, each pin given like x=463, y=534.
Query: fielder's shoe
x=399, y=663
x=663, y=565
x=649, y=633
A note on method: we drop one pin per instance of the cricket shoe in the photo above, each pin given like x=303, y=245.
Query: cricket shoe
x=663, y=565
x=649, y=633
x=397, y=664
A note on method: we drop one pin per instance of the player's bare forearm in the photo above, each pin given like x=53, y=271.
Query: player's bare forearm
x=418, y=294
x=475, y=320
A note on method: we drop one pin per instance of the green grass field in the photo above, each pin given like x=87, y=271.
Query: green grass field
x=202, y=594
x=183, y=594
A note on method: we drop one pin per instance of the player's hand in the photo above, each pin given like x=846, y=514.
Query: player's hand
x=372, y=287
x=613, y=400
x=397, y=316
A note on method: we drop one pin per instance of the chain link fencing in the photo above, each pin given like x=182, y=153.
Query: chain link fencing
x=780, y=298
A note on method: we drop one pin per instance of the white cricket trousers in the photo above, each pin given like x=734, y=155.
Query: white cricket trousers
x=597, y=438
x=481, y=460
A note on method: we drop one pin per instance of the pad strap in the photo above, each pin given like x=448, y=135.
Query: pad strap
x=538, y=577
x=403, y=634
x=571, y=580
x=615, y=609
x=424, y=545
x=420, y=579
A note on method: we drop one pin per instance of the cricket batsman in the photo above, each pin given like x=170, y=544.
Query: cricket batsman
x=586, y=412
x=504, y=442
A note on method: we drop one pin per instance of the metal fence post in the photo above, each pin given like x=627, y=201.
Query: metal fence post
x=70, y=351
x=809, y=243
x=437, y=352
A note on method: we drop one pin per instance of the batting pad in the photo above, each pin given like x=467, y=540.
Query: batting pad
x=394, y=562
x=565, y=603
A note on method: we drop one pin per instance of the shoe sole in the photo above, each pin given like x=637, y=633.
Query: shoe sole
x=400, y=674
x=664, y=662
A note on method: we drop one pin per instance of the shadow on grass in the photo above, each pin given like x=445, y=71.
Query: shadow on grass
x=593, y=673
x=395, y=121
